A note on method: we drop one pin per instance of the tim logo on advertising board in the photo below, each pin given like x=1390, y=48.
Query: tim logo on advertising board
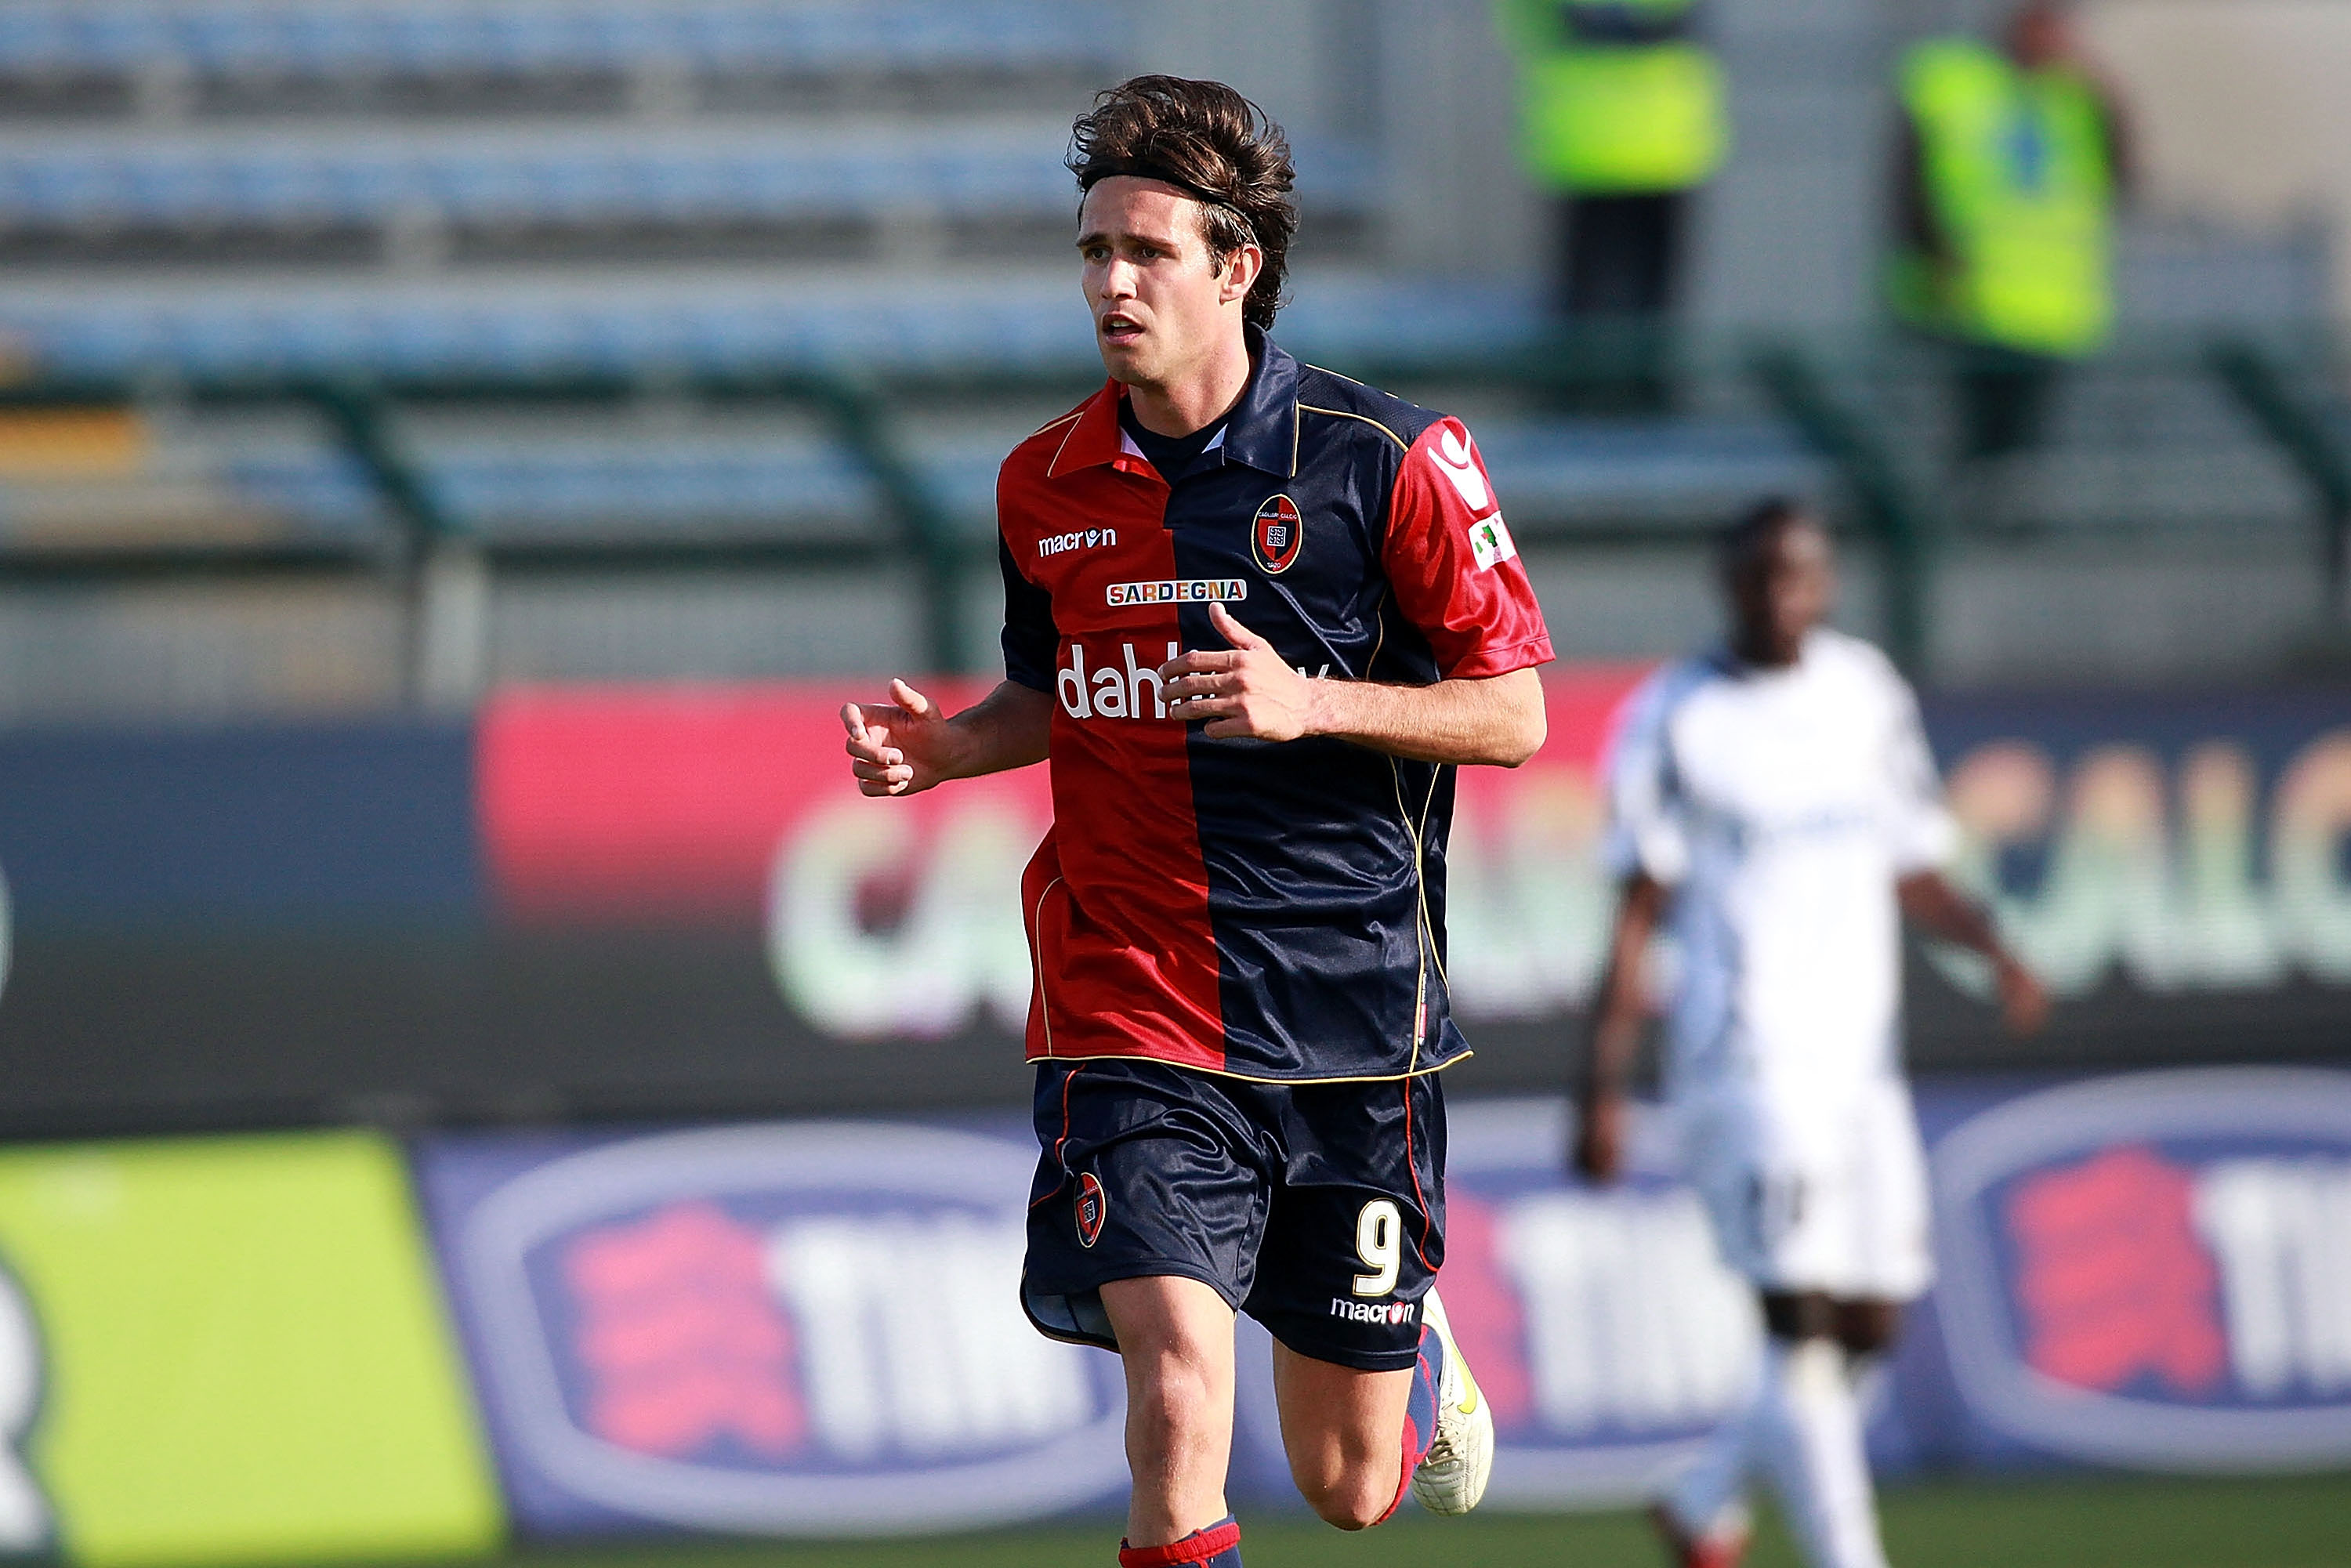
x=806, y=1329
x=2155, y=1270
x=1607, y=1336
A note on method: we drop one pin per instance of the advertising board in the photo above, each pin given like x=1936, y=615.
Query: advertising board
x=811, y=1328
x=805, y=1328
x=2153, y=1272
x=629, y=902
x=228, y=1350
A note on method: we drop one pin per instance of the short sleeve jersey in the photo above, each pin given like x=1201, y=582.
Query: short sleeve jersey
x=1271, y=911
x=1780, y=807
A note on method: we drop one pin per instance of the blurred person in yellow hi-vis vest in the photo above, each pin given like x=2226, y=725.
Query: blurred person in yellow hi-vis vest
x=1621, y=116
x=2009, y=167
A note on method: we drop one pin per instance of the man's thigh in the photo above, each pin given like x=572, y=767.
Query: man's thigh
x=1337, y=1420
x=1356, y=1231
x=1143, y=1171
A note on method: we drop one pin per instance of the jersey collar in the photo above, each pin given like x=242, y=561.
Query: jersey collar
x=1262, y=431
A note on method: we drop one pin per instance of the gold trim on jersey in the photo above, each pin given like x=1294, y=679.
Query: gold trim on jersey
x=1254, y=1078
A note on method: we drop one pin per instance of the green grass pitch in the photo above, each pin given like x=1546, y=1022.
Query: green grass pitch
x=2118, y=1523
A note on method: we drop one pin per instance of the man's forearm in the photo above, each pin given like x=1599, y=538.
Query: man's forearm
x=1498, y=720
x=1008, y=729
x=1930, y=903
x=1620, y=1007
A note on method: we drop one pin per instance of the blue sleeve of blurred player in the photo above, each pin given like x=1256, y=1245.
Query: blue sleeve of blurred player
x=1645, y=831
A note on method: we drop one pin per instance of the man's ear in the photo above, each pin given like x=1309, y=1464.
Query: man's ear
x=1241, y=273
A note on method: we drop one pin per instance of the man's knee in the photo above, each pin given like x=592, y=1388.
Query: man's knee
x=1861, y=1326
x=1867, y=1327
x=1173, y=1390
x=1795, y=1316
x=1350, y=1497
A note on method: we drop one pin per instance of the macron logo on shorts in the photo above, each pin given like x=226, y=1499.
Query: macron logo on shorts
x=1373, y=1312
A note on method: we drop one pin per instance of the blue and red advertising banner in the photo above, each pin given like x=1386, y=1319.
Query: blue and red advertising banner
x=811, y=1327
x=666, y=902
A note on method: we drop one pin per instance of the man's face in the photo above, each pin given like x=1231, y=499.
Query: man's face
x=1781, y=591
x=2041, y=36
x=1160, y=309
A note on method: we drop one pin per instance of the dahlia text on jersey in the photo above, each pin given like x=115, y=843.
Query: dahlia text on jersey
x=1112, y=694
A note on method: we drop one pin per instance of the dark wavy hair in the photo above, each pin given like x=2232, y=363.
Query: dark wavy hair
x=1211, y=143
x=1742, y=541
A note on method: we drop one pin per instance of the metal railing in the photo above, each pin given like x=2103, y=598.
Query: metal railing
x=1835, y=394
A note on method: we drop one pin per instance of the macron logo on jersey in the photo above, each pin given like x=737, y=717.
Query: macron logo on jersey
x=1456, y=457
x=1077, y=538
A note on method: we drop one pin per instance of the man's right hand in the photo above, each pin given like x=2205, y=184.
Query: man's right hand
x=1599, y=1154
x=900, y=746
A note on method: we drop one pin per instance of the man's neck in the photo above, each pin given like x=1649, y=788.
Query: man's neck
x=1198, y=400
x=1760, y=656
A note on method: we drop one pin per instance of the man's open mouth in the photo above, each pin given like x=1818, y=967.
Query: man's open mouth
x=1119, y=330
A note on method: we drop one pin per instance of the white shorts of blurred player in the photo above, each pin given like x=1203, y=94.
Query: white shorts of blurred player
x=1813, y=1192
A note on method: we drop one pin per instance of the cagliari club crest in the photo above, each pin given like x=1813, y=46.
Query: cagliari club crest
x=1094, y=1207
x=1276, y=534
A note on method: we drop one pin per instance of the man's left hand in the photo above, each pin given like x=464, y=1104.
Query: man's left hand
x=1244, y=691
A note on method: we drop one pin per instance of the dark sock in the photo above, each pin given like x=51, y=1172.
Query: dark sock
x=1419, y=1413
x=1217, y=1546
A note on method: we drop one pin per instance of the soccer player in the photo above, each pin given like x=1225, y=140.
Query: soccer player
x=1255, y=613
x=1775, y=800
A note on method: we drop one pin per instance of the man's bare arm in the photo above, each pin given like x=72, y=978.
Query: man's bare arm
x=1247, y=691
x=906, y=745
x=1618, y=1013
x=1930, y=903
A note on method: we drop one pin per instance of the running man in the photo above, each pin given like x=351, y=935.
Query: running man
x=1255, y=613
x=1775, y=800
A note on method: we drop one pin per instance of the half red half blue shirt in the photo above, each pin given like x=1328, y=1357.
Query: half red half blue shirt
x=1271, y=911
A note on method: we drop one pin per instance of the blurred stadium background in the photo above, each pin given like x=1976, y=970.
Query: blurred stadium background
x=470, y=1074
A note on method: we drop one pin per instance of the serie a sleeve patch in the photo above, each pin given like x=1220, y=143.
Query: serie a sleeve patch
x=1490, y=543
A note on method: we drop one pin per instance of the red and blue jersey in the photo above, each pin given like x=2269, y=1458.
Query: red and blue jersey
x=1271, y=910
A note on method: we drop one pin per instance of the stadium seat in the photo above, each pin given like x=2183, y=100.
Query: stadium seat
x=1663, y=470
x=282, y=38
x=1016, y=325
x=550, y=491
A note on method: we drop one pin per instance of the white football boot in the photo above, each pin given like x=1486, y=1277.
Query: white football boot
x=1453, y=1474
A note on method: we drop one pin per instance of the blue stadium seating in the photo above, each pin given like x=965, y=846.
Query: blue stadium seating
x=60, y=185
x=321, y=491
x=1661, y=468
x=219, y=175
x=424, y=332
x=287, y=37
x=69, y=182
x=770, y=489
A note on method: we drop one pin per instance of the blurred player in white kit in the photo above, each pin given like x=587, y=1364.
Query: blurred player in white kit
x=1774, y=804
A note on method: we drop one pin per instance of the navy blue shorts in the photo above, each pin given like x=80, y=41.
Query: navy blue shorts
x=1316, y=1209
